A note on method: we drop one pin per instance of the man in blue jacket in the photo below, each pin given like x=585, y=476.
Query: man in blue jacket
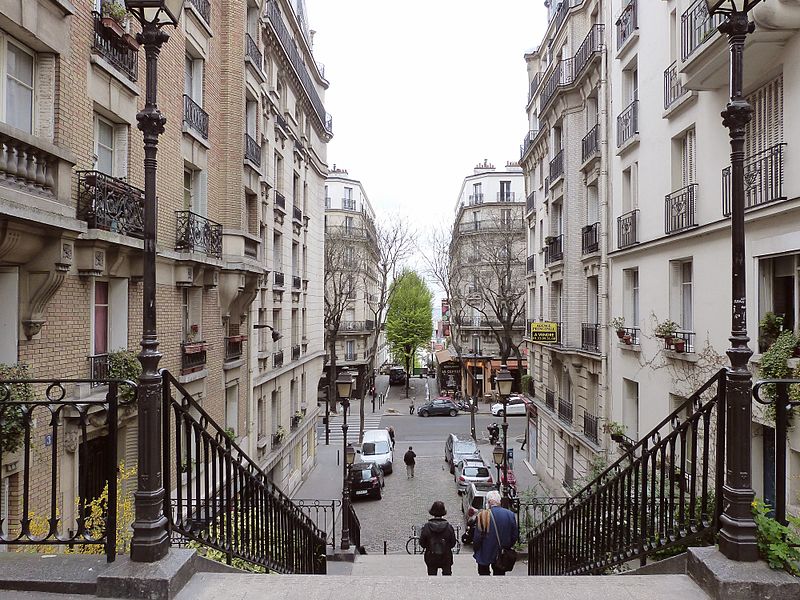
x=493, y=523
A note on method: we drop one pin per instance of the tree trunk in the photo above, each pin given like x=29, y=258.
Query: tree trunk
x=332, y=397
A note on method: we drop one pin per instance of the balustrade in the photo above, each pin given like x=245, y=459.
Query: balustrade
x=107, y=203
x=194, y=233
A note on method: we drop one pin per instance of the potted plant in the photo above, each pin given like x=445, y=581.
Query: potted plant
x=131, y=41
x=678, y=344
x=280, y=433
x=549, y=239
x=616, y=430
x=769, y=328
x=231, y=433
x=113, y=16
x=666, y=330
x=618, y=324
x=194, y=329
x=627, y=339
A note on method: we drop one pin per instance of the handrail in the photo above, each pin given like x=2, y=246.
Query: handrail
x=233, y=505
x=627, y=512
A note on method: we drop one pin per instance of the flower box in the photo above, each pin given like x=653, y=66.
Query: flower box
x=194, y=347
x=113, y=25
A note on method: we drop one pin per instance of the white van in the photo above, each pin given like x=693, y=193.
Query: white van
x=377, y=447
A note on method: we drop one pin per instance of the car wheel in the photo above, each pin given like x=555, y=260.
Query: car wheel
x=453, y=413
x=423, y=413
x=379, y=495
x=500, y=412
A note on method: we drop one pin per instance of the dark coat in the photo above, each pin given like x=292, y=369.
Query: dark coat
x=410, y=457
x=433, y=529
x=485, y=542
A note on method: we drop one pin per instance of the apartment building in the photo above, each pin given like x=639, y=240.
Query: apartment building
x=565, y=160
x=71, y=208
x=487, y=266
x=670, y=247
x=351, y=244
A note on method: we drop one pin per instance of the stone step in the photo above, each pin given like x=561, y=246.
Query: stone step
x=404, y=584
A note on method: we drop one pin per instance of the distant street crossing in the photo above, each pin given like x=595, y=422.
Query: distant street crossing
x=371, y=421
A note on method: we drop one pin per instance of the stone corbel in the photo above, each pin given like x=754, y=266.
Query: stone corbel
x=237, y=290
x=41, y=284
x=778, y=14
x=90, y=260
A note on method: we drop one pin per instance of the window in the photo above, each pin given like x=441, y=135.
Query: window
x=191, y=314
x=630, y=408
x=9, y=323
x=350, y=350
x=232, y=408
x=194, y=190
x=505, y=218
x=681, y=294
x=505, y=192
x=684, y=172
x=778, y=288
x=277, y=252
x=104, y=145
x=477, y=193
x=193, y=79
x=592, y=205
x=251, y=112
x=100, y=317
x=556, y=220
x=18, y=75
x=592, y=309
x=631, y=299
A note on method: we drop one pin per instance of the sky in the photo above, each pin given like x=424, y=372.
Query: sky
x=421, y=91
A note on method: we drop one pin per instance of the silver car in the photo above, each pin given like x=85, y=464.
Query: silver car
x=471, y=471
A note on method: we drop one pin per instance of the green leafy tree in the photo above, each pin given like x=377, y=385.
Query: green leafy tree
x=409, y=324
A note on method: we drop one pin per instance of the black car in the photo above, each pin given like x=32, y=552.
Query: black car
x=397, y=375
x=366, y=479
x=438, y=406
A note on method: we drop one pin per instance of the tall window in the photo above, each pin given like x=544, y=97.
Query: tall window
x=194, y=190
x=104, y=145
x=630, y=408
x=778, y=288
x=17, y=66
x=591, y=300
x=631, y=298
x=100, y=317
x=592, y=205
x=505, y=191
x=685, y=171
x=477, y=193
x=681, y=294
x=232, y=408
x=193, y=79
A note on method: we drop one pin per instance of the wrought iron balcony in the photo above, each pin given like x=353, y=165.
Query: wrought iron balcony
x=252, y=52
x=530, y=202
x=506, y=196
x=672, y=85
x=527, y=142
x=346, y=326
x=195, y=117
x=590, y=144
x=557, y=166
x=297, y=282
x=627, y=23
x=193, y=357
x=763, y=179
x=554, y=249
x=204, y=8
x=550, y=399
x=114, y=49
x=233, y=347
x=280, y=121
x=98, y=368
x=296, y=352
x=629, y=332
x=628, y=123
x=280, y=201
x=252, y=150
x=533, y=85
x=627, y=229
x=531, y=264
x=590, y=238
x=297, y=214
x=348, y=204
x=680, y=209
x=590, y=337
x=194, y=233
x=560, y=14
x=277, y=279
x=561, y=76
x=107, y=203
x=680, y=341
x=350, y=356
x=277, y=359
x=590, y=426
x=475, y=199
x=592, y=44
x=697, y=26
x=565, y=410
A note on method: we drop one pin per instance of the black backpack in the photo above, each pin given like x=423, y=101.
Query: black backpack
x=438, y=546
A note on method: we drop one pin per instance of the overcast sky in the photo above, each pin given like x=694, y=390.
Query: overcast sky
x=421, y=91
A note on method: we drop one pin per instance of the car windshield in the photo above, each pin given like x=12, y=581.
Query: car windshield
x=370, y=448
x=465, y=447
x=363, y=474
x=477, y=502
x=476, y=472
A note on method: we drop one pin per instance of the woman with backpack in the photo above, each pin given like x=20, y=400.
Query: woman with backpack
x=438, y=539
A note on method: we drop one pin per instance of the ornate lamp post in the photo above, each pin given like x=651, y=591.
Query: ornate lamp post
x=504, y=381
x=497, y=455
x=344, y=387
x=737, y=539
x=150, y=539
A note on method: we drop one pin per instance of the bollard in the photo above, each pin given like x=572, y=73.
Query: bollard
x=337, y=458
x=384, y=547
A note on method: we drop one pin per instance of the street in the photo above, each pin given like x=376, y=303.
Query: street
x=405, y=502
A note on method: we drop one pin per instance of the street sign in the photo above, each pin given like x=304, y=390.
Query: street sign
x=544, y=331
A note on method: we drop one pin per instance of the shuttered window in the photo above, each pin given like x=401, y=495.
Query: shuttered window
x=766, y=128
x=688, y=161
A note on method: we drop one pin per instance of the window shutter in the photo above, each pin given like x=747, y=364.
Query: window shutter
x=675, y=297
x=766, y=128
x=120, y=151
x=689, y=174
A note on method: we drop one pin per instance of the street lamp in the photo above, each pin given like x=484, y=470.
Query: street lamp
x=344, y=387
x=497, y=455
x=276, y=335
x=150, y=540
x=737, y=538
x=504, y=381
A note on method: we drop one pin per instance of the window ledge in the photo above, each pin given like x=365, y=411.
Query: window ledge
x=190, y=131
x=189, y=377
x=629, y=347
x=679, y=104
x=628, y=144
x=196, y=14
x=232, y=364
x=121, y=78
x=689, y=357
x=628, y=43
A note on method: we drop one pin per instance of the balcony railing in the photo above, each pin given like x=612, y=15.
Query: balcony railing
x=527, y=142
x=590, y=144
x=296, y=352
x=680, y=341
x=554, y=250
x=590, y=238
x=530, y=202
x=680, y=209
x=233, y=347
x=356, y=326
x=273, y=14
x=565, y=410
x=115, y=50
x=194, y=233
x=557, y=166
x=204, y=8
x=252, y=52
x=280, y=121
x=475, y=199
x=591, y=45
x=297, y=282
x=348, y=204
x=107, y=203
x=297, y=214
x=252, y=150
x=280, y=200
x=506, y=196
x=697, y=26
x=672, y=85
x=550, y=399
x=590, y=426
x=277, y=359
x=195, y=117
x=763, y=180
x=193, y=357
x=628, y=123
x=626, y=23
x=631, y=332
x=561, y=76
x=531, y=264
x=560, y=14
x=627, y=229
x=277, y=279
x=98, y=368
x=590, y=337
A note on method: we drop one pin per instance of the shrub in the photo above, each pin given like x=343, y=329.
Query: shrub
x=778, y=544
x=11, y=419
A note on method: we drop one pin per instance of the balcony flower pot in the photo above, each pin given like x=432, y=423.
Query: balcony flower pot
x=113, y=25
x=194, y=347
x=618, y=437
x=130, y=40
x=627, y=339
x=679, y=345
x=620, y=333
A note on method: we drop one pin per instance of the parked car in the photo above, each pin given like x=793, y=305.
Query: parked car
x=397, y=376
x=376, y=446
x=474, y=499
x=459, y=446
x=438, y=406
x=472, y=470
x=517, y=405
x=366, y=479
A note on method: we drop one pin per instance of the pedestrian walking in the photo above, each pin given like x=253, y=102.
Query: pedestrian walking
x=391, y=435
x=410, y=458
x=495, y=535
x=438, y=539
x=411, y=406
